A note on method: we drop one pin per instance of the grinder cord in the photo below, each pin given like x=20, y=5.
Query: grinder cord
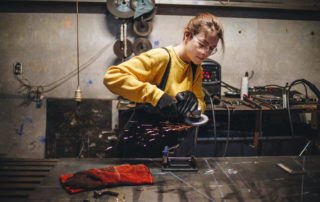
x=228, y=130
x=213, y=120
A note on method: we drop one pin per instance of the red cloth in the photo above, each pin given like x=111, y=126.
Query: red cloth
x=109, y=176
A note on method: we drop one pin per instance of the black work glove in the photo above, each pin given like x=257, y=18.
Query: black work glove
x=187, y=102
x=167, y=107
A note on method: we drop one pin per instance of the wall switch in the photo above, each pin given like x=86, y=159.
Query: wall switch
x=17, y=68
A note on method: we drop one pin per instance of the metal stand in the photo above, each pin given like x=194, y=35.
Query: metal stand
x=184, y=163
x=177, y=163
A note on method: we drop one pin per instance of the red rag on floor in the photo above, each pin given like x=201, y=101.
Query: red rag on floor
x=109, y=176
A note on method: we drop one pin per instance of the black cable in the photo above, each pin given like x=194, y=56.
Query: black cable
x=229, y=121
x=230, y=87
x=213, y=120
x=273, y=85
x=306, y=91
x=296, y=82
x=304, y=85
x=228, y=130
x=214, y=126
x=289, y=112
x=312, y=87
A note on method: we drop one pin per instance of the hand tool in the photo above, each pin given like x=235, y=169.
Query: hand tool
x=263, y=102
x=249, y=100
x=247, y=104
x=120, y=196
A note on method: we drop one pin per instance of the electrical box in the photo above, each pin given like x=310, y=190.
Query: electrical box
x=17, y=68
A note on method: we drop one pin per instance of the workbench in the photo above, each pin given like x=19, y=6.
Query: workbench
x=251, y=129
x=217, y=179
x=276, y=113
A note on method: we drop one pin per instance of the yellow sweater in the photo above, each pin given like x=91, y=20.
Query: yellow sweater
x=137, y=78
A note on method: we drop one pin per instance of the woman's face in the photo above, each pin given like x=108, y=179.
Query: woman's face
x=200, y=46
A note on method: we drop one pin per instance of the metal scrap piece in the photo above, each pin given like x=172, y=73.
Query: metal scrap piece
x=119, y=194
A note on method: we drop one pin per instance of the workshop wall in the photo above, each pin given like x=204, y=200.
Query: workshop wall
x=276, y=50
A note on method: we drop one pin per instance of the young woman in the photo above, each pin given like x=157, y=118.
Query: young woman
x=138, y=79
x=169, y=79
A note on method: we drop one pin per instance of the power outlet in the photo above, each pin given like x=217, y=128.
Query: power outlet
x=17, y=69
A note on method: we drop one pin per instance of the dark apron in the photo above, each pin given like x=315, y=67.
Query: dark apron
x=146, y=133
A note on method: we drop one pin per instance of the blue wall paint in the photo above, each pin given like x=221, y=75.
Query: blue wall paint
x=24, y=121
x=156, y=43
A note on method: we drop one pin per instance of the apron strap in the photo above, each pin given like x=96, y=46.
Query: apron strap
x=165, y=76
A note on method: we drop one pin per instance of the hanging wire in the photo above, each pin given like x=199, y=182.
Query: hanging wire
x=78, y=66
x=31, y=89
x=51, y=86
x=78, y=91
x=66, y=77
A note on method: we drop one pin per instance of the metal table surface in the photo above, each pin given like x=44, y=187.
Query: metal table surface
x=218, y=179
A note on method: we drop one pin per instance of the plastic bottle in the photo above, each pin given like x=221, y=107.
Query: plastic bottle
x=284, y=98
x=244, y=85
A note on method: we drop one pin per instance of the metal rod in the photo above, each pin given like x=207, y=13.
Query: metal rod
x=305, y=147
x=195, y=140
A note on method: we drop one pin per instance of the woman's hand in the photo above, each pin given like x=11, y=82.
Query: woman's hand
x=167, y=107
x=187, y=102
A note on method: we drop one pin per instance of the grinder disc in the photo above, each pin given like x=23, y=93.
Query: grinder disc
x=118, y=48
x=142, y=28
x=141, y=45
x=120, y=8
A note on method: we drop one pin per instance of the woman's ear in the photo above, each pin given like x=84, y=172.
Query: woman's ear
x=187, y=35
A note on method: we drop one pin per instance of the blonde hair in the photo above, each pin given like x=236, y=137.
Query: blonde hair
x=205, y=22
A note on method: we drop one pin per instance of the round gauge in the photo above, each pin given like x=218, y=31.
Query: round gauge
x=118, y=49
x=142, y=28
x=141, y=45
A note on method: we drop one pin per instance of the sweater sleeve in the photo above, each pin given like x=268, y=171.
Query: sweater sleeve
x=137, y=78
x=197, y=89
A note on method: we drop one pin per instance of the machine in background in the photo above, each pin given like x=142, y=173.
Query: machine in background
x=211, y=79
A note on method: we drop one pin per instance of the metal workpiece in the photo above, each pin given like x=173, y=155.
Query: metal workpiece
x=117, y=193
x=217, y=179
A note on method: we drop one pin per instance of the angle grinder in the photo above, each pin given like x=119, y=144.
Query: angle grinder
x=195, y=118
